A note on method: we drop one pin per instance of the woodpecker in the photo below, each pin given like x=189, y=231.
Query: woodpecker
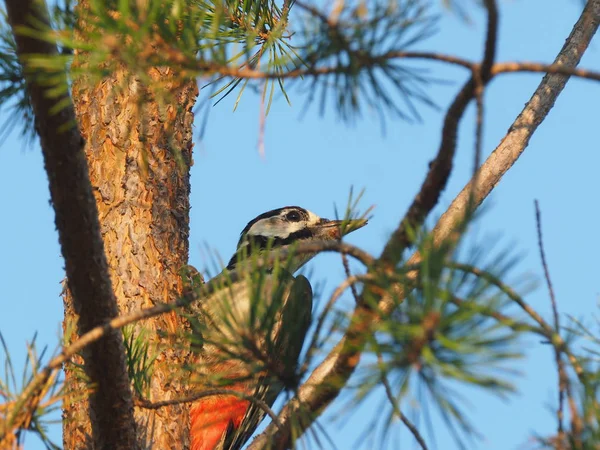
x=261, y=314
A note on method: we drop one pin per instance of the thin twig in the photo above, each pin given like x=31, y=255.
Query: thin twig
x=478, y=92
x=396, y=407
x=546, y=328
x=441, y=167
x=564, y=386
x=505, y=320
x=262, y=121
x=351, y=282
x=562, y=379
x=538, y=221
x=147, y=404
x=479, y=88
x=556, y=68
x=348, y=275
x=241, y=71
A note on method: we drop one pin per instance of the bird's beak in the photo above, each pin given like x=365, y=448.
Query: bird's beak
x=335, y=229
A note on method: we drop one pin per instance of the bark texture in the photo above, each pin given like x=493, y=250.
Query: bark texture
x=92, y=302
x=139, y=154
x=142, y=193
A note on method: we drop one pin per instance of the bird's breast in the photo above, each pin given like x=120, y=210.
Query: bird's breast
x=246, y=313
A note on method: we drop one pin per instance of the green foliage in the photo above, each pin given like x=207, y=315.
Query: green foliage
x=13, y=93
x=352, y=212
x=351, y=54
x=63, y=17
x=358, y=48
x=233, y=329
x=18, y=414
x=447, y=329
x=140, y=358
x=585, y=338
x=13, y=96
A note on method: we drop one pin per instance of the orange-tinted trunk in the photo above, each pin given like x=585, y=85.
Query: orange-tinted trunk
x=139, y=155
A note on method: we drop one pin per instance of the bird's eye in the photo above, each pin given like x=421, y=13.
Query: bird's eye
x=293, y=216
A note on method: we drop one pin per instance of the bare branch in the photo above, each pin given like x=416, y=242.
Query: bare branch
x=563, y=380
x=479, y=88
x=348, y=275
x=564, y=385
x=79, y=233
x=556, y=68
x=208, y=68
x=538, y=221
x=441, y=166
x=517, y=138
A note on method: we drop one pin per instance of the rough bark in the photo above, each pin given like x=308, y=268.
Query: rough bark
x=92, y=302
x=139, y=154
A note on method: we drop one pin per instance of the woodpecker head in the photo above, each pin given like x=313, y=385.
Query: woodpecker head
x=285, y=226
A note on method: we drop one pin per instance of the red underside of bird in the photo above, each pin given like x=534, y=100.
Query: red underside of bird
x=210, y=419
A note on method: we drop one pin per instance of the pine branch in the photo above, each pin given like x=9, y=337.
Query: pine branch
x=113, y=325
x=545, y=329
x=329, y=377
x=243, y=72
x=79, y=234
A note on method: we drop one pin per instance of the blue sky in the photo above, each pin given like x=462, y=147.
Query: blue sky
x=313, y=160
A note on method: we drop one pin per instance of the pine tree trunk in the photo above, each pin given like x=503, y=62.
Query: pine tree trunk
x=139, y=154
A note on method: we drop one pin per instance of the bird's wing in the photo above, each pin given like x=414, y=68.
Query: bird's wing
x=295, y=321
x=289, y=337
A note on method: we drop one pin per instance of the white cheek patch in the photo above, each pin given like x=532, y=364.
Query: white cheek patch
x=293, y=227
x=281, y=228
x=313, y=219
x=274, y=227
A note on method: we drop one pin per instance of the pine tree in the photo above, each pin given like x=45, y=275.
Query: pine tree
x=110, y=87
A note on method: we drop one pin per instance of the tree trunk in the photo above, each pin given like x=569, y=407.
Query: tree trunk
x=139, y=154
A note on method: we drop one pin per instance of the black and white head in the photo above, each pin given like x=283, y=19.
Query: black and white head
x=285, y=226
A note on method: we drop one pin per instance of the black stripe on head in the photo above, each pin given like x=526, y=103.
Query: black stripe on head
x=258, y=243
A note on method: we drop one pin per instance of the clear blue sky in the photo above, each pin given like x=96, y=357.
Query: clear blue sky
x=312, y=161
